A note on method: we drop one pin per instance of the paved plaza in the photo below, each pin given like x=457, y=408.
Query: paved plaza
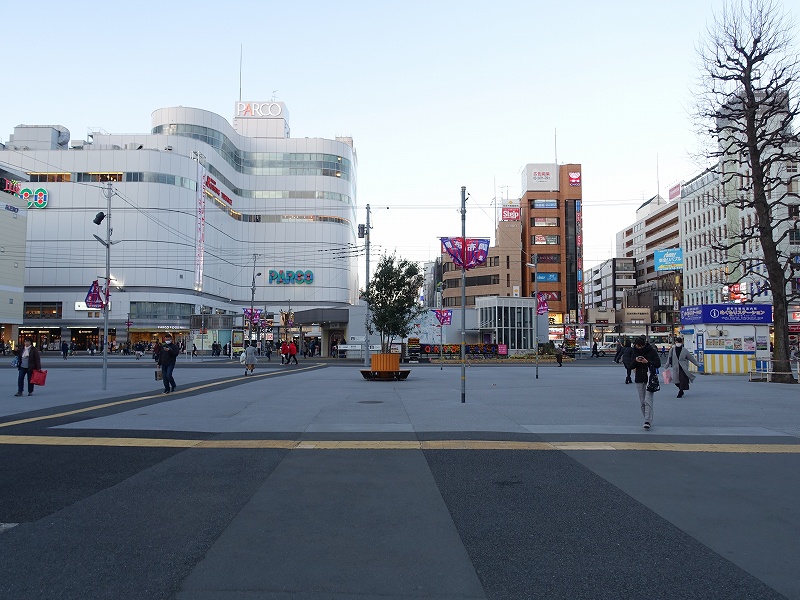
x=307, y=482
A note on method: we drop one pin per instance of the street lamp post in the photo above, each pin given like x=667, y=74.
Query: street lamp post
x=252, y=302
x=535, y=266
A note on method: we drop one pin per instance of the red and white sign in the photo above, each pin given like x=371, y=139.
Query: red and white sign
x=510, y=211
x=675, y=191
x=574, y=178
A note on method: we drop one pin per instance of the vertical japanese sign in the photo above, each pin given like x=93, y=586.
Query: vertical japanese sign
x=200, y=233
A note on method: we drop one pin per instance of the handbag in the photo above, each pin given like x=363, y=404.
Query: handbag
x=667, y=375
x=159, y=375
x=653, y=385
x=242, y=358
x=15, y=362
x=38, y=377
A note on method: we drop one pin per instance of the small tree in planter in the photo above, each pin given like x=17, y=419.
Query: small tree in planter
x=393, y=298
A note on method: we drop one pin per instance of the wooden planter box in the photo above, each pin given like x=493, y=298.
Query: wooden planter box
x=385, y=362
x=385, y=367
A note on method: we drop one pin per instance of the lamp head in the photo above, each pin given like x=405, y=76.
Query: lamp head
x=98, y=218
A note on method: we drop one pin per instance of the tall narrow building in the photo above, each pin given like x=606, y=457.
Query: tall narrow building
x=552, y=224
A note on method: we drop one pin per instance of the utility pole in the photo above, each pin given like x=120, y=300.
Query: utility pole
x=252, y=300
x=535, y=266
x=108, y=193
x=367, y=357
x=463, y=294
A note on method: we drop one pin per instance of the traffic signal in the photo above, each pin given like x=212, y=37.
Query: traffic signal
x=362, y=231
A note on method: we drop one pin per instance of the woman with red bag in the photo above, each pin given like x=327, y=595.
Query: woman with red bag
x=29, y=360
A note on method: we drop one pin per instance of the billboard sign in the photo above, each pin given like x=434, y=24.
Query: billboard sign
x=727, y=314
x=669, y=260
x=540, y=178
x=510, y=211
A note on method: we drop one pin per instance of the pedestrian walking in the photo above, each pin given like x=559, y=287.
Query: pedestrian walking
x=618, y=355
x=627, y=356
x=284, y=352
x=250, y=359
x=167, y=355
x=678, y=362
x=292, y=353
x=560, y=356
x=644, y=361
x=28, y=360
x=194, y=350
x=92, y=348
x=594, y=351
x=64, y=349
x=268, y=350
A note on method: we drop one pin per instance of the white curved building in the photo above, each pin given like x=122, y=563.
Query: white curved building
x=200, y=210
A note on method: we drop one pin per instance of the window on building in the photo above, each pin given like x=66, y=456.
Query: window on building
x=544, y=222
x=42, y=310
x=161, y=310
x=794, y=211
x=49, y=177
x=544, y=204
x=794, y=237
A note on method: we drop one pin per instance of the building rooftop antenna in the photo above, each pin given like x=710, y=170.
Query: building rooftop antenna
x=274, y=92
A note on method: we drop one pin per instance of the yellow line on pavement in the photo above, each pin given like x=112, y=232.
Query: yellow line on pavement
x=41, y=440
x=78, y=411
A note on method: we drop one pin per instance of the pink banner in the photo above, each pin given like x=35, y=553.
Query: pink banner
x=541, y=308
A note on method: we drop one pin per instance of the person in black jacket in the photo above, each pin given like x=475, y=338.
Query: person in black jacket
x=644, y=360
x=627, y=356
x=166, y=360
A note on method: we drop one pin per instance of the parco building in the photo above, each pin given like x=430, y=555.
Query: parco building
x=207, y=217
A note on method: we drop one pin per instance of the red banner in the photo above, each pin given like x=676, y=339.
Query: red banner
x=467, y=253
x=94, y=299
x=445, y=317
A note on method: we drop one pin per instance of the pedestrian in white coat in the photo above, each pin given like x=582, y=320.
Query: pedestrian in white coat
x=678, y=361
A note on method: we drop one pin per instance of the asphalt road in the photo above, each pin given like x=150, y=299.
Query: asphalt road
x=308, y=482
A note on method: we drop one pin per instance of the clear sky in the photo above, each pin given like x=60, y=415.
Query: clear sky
x=436, y=95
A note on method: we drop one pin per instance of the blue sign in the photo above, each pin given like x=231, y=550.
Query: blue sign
x=668, y=260
x=547, y=277
x=727, y=314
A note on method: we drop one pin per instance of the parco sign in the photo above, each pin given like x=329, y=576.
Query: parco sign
x=258, y=109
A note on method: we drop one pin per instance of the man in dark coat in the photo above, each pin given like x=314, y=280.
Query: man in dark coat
x=644, y=360
x=618, y=355
x=627, y=357
x=167, y=356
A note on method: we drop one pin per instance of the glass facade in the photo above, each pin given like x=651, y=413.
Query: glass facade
x=263, y=163
x=161, y=310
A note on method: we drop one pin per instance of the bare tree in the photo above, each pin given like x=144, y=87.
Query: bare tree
x=745, y=106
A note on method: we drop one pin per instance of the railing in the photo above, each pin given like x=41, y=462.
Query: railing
x=763, y=369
